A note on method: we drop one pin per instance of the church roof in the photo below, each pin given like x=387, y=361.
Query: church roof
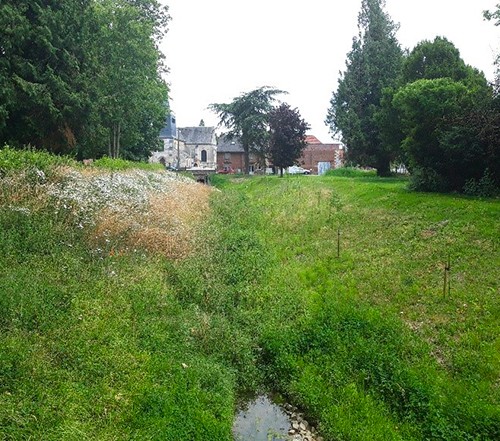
x=311, y=139
x=197, y=135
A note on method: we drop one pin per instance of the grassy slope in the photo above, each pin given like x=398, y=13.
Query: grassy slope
x=134, y=346
x=383, y=344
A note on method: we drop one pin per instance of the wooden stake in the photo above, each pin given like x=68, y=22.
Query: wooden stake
x=338, y=242
x=446, y=281
x=449, y=275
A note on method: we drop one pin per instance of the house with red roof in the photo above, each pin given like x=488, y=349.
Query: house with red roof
x=319, y=157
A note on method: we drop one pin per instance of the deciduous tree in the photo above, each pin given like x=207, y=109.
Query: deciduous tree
x=444, y=148
x=287, y=132
x=434, y=59
x=128, y=90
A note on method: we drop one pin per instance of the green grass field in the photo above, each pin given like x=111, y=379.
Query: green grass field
x=329, y=291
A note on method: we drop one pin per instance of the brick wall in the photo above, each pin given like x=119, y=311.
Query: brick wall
x=316, y=152
x=233, y=160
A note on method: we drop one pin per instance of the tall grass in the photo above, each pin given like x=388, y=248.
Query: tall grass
x=351, y=172
x=94, y=344
x=105, y=336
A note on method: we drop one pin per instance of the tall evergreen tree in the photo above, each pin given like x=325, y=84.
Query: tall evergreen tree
x=42, y=101
x=373, y=64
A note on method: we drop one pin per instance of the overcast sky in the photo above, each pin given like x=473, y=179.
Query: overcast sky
x=218, y=49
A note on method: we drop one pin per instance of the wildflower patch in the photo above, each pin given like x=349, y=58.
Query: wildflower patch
x=153, y=211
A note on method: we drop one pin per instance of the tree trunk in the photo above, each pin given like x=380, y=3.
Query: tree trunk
x=118, y=137
x=246, y=160
x=113, y=145
x=114, y=141
x=383, y=167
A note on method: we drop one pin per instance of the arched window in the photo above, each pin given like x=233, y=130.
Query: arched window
x=203, y=156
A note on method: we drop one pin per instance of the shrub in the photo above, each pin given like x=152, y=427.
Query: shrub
x=484, y=187
x=426, y=179
x=351, y=172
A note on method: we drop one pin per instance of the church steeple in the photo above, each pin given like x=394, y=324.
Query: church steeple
x=169, y=130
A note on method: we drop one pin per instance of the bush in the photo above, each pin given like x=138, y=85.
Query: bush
x=426, y=179
x=30, y=160
x=484, y=187
x=351, y=172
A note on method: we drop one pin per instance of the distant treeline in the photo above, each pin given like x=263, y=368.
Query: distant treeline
x=82, y=77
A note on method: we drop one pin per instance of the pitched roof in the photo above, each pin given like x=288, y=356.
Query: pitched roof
x=197, y=135
x=226, y=145
x=311, y=139
x=315, y=146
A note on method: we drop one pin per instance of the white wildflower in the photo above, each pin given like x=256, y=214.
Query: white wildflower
x=23, y=210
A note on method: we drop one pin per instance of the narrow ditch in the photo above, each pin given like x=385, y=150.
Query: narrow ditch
x=263, y=420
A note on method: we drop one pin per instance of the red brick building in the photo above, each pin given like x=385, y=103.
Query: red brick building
x=231, y=156
x=318, y=156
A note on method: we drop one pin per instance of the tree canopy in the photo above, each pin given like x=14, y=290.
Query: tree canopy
x=82, y=77
x=287, y=136
x=373, y=64
x=246, y=118
x=434, y=59
x=41, y=57
x=427, y=108
x=438, y=107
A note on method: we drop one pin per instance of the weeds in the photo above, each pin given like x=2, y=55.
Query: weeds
x=351, y=172
x=138, y=305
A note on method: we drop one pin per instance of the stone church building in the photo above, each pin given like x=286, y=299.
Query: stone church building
x=186, y=147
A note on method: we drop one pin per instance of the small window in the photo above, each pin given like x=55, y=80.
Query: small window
x=203, y=156
x=227, y=156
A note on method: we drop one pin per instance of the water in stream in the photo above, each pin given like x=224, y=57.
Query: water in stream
x=261, y=420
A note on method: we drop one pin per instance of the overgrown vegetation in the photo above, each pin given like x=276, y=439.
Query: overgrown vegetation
x=351, y=172
x=111, y=341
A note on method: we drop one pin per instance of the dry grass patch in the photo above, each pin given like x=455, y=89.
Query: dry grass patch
x=153, y=211
x=174, y=221
x=166, y=224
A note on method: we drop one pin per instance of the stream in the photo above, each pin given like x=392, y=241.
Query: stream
x=263, y=420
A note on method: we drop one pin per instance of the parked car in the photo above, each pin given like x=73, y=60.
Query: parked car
x=296, y=170
x=225, y=171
